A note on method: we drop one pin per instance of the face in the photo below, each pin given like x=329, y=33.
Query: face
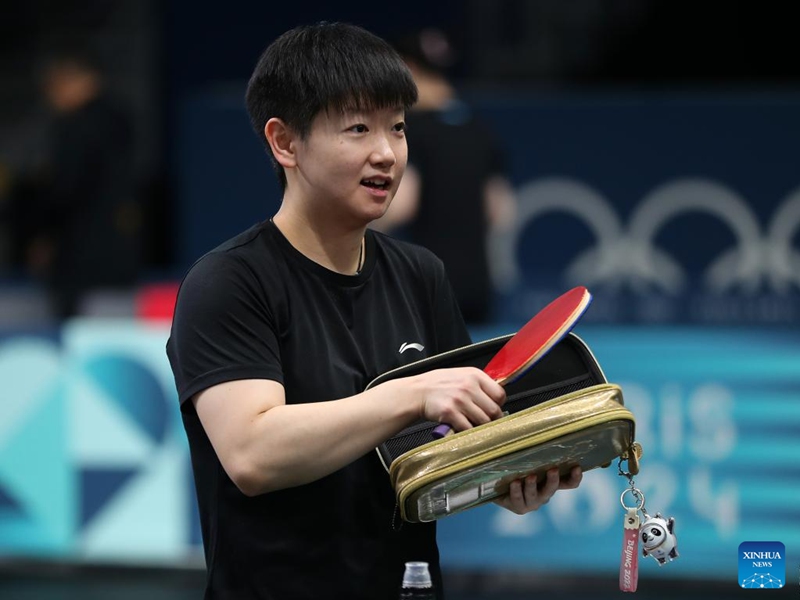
x=653, y=535
x=67, y=87
x=350, y=165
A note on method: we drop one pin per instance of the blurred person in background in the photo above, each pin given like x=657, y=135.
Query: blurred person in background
x=80, y=223
x=455, y=190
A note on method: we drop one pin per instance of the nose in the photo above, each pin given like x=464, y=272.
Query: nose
x=384, y=152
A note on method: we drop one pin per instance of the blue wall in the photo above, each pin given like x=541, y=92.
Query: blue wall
x=671, y=207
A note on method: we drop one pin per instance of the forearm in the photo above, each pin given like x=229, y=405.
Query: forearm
x=290, y=445
x=266, y=445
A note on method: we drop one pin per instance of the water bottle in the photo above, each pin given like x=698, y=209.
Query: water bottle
x=417, y=584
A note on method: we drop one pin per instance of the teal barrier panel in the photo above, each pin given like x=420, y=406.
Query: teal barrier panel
x=94, y=463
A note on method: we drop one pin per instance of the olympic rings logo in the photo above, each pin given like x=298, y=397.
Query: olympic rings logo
x=628, y=256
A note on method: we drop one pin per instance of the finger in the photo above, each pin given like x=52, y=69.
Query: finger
x=495, y=391
x=477, y=412
x=478, y=407
x=457, y=421
x=515, y=499
x=488, y=407
x=533, y=497
x=574, y=480
x=502, y=501
x=549, y=487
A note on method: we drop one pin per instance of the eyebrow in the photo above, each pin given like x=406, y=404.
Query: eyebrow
x=364, y=112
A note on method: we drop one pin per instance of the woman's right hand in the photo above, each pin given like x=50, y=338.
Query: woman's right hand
x=462, y=397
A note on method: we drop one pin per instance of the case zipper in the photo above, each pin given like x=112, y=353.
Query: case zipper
x=616, y=414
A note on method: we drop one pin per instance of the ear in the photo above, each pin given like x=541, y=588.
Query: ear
x=281, y=140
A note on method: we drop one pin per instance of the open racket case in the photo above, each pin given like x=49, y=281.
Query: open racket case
x=561, y=413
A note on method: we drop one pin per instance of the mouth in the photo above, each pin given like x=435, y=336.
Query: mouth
x=377, y=183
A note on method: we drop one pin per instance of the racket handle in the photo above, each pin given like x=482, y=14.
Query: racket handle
x=444, y=429
x=441, y=431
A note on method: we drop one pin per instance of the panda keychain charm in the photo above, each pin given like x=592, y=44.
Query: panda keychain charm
x=658, y=538
x=656, y=534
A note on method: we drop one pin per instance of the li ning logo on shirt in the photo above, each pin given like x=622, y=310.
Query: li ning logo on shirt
x=414, y=346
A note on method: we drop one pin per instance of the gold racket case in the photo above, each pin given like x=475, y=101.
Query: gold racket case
x=562, y=413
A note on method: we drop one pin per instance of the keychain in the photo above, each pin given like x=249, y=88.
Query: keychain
x=629, y=561
x=656, y=533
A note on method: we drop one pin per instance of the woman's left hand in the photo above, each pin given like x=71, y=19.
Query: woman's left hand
x=524, y=495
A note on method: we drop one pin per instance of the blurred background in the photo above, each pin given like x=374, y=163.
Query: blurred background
x=646, y=149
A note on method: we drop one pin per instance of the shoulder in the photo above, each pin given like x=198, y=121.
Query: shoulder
x=401, y=253
x=235, y=253
x=412, y=264
x=240, y=264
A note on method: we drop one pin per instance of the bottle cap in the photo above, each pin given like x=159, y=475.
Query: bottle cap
x=417, y=575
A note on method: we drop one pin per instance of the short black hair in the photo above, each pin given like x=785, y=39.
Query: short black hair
x=325, y=66
x=72, y=55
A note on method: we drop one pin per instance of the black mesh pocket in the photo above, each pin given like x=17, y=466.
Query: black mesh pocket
x=524, y=400
x=406, y=440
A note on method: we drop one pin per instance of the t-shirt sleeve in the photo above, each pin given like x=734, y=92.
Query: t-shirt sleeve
x=223, y=328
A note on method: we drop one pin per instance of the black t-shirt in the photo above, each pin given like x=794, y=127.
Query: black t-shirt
x=455, y=155
x=256, y=308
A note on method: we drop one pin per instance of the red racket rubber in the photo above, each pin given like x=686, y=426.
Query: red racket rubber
x=531, y=343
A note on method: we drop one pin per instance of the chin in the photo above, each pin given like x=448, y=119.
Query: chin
x=377, y=210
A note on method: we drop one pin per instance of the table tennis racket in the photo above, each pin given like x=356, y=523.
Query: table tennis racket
x=533, y=341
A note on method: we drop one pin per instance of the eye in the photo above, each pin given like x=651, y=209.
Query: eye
x=400, y=127
x=360, y=128
x=655, y=532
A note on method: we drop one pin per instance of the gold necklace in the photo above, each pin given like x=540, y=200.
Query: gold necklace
x=360, y=257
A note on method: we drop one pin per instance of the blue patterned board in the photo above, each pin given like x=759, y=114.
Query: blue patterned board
x=93, y=459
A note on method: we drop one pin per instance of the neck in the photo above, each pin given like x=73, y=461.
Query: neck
x=335, y=248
